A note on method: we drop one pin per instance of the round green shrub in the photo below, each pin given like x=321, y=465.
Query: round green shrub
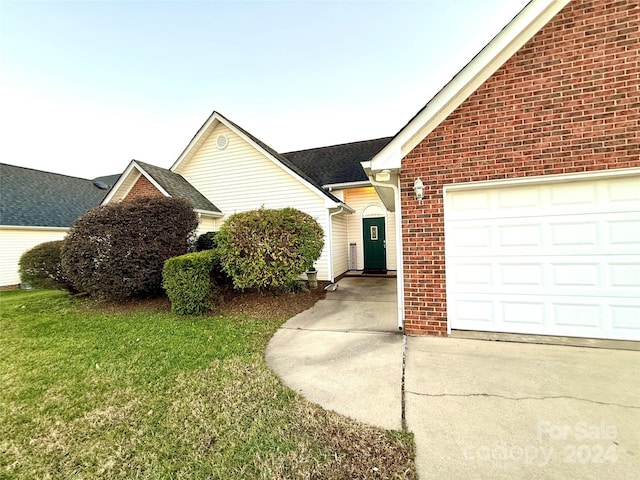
x=40, y=266
x=268, y=249
x=117, y=251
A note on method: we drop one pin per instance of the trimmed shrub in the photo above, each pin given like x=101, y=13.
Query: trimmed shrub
x=117, y=251
x=206, y=241
x=269, y=249
x=40, y=266
x=189, y=281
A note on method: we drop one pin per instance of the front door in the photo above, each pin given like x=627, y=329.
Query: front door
x=375, y=251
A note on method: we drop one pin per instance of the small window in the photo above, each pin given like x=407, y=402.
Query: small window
x=374, y=232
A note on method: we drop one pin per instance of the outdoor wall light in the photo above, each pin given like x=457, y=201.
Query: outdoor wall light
x=418, y=187
x=383, y=175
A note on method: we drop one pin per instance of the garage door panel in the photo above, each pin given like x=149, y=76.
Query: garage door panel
x=527, y=235
x=521, y=274
x=522, y=312
x=510, y=198
x=550, y=259
x=624, y=232
x=475, y=312
x=625, y=275
x=623, y=193
x=551, y=235
x=575, y=275
x=625, y=317
x=562, y=198
x=572, y=314
x=573, y=234
x=472, y=274
x=585, y=275
x=582, y=194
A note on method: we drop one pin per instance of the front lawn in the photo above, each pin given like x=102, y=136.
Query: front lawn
x=142, y=393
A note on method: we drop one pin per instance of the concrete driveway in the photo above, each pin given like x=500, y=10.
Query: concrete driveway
x=478, y=409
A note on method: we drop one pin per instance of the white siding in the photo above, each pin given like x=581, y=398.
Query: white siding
x=14, y=242
x=207, y=224
x=359, y=199
x=340, y=244
x=240, y=178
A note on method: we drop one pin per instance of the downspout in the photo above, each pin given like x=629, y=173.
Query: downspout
x=399, y=256
x=331, y=279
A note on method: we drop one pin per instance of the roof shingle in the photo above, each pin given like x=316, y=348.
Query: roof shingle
x=31, y=197
x=337, y=163
x=178, y=187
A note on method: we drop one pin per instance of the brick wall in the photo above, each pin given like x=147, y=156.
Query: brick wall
x=143, y=188
x=568, y=101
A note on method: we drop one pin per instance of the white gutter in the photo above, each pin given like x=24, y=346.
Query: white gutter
x=331, y=278
x=399, y=258
x=339, y=186
x=208, y=212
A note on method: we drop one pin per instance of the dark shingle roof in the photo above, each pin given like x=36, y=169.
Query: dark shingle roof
x=35, y=198
x=108, y=179
x=178, y=187
x=337, y=163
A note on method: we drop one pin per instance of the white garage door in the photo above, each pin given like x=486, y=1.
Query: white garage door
x=558, y=258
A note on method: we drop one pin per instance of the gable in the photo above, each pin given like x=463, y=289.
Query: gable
x=144, y=180
x=514, y=35
x=567, y=101
x=143, y=188
x=240, y=177
x=203, y=140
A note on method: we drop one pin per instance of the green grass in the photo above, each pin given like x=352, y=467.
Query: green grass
x=148, y=394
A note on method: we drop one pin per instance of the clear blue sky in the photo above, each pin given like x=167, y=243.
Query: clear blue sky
x=88, y=86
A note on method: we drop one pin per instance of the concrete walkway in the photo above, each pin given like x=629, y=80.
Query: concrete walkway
x=478, y=409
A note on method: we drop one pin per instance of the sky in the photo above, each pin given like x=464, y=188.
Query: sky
x=87, y=86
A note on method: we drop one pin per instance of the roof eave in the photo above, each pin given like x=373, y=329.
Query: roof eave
x=346, y=185
x=503, y=46
x=209, y=212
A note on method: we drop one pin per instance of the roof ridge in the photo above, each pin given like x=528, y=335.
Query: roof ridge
x=338, y=145
x=48, y=172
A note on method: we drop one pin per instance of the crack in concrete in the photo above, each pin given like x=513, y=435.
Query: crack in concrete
x=552, y=397
x=403, y=402
x=370, y=332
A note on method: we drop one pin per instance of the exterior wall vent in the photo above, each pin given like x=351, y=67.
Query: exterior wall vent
x=222, y=141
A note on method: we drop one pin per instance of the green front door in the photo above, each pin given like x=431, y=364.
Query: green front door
x=375, y=258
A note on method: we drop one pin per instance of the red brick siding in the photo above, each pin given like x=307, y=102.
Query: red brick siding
x=143, y=188
x=568, y=101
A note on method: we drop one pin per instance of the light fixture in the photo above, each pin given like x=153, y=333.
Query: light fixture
x=418, y=188
x=383, y=175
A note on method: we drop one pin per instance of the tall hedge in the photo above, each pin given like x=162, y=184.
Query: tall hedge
x=117, y=251
x=40, y=267
x=267, y=248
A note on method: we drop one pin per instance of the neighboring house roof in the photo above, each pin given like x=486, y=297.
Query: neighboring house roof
x=108, y=179
x=31, y=197
x=178, y=187
x=337, y=164
x=535, y=15
x=202, y=133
